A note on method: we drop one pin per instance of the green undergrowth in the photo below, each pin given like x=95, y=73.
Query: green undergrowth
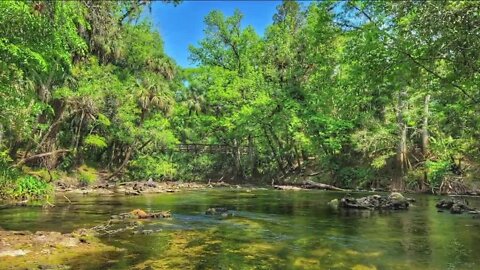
x=18, y=184
x=15, y=185
x=86, y=175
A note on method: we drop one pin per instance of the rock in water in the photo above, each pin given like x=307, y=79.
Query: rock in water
x=456, y=209
x=455, y=206
x=218, y=211
x=139, y=213
x=445, y=204
x=398, y=201
x=395, y=201
x=334, y=203
x=396, y=196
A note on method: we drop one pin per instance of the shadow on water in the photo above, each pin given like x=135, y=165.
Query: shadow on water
x=269, y=230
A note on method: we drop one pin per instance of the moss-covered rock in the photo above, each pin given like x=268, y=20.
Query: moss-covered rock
x=394, y=201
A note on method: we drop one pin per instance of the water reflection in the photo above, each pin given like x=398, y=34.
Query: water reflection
x=270, y=230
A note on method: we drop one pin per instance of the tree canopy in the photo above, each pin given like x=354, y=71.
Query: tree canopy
x=356, y=93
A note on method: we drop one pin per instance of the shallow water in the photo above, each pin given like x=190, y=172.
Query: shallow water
x=269, y=230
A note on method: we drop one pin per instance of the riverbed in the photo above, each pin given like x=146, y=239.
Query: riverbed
x=267, y=229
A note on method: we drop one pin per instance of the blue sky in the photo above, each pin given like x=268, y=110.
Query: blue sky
x=183, y=25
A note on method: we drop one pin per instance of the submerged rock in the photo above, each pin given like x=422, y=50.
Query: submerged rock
x=130, y=221
x=455, y=206
x=50, y=250
x=140, y=214
x=334, y=203
x=394, y=201
x=218, y=211
x=133, y=192
x=13, y=252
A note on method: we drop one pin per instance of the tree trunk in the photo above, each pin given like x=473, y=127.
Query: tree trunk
x=124, y=163
x=50, y=145
x=252, y=156
x=1, y=134
x=78, y=157
x=298, y=158
x=401, y=169
x=274, y=152
x=425, y=137
x=237, y=162
x=112, y=156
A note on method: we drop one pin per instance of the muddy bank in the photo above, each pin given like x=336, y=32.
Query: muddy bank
x=50, y=250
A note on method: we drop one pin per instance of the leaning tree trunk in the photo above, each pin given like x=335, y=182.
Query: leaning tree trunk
x=425, y=137
x=275, y=154
x=402, y=162
x=49, y=140
x=124, y=163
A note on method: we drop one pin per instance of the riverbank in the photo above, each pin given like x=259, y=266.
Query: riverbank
x=135, y=188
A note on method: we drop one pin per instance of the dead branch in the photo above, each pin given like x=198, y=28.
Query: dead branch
x=22, y=161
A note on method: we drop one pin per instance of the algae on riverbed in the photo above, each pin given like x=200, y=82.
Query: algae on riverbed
x=52, y=250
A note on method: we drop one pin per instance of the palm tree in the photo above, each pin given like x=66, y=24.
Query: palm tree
x=163, y=66
x=196, y=102
x=153, y=94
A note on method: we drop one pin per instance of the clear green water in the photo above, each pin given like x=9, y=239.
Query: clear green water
x=270, y=230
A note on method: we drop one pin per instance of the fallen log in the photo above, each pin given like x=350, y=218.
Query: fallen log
x=281, y=187
x=308, y=184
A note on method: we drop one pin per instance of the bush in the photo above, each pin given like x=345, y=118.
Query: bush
x=414, y=179
x=355, y=177
x=42, y=174
x=86, y=175
x=197, y=167
x=31, y=187
x=437, y=171
x=14, y=184
x=144, y=167
x=27, y=187
x=95, y=141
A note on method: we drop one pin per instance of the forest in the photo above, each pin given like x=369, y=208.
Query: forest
x=356, y=94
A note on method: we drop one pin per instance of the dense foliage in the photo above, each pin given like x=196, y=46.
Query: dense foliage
x=355, y=93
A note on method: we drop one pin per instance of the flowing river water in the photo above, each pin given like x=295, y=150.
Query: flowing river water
x=269, y=230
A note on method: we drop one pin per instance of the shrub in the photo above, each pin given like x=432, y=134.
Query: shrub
x=42, y=174
x=355, y=177
x=95, y=141
x=28, y=187
x=144, y=167
x=86, y=175
x=197, y=167
x=437, y=171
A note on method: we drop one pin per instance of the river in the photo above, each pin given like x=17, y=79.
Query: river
x=269, y=230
